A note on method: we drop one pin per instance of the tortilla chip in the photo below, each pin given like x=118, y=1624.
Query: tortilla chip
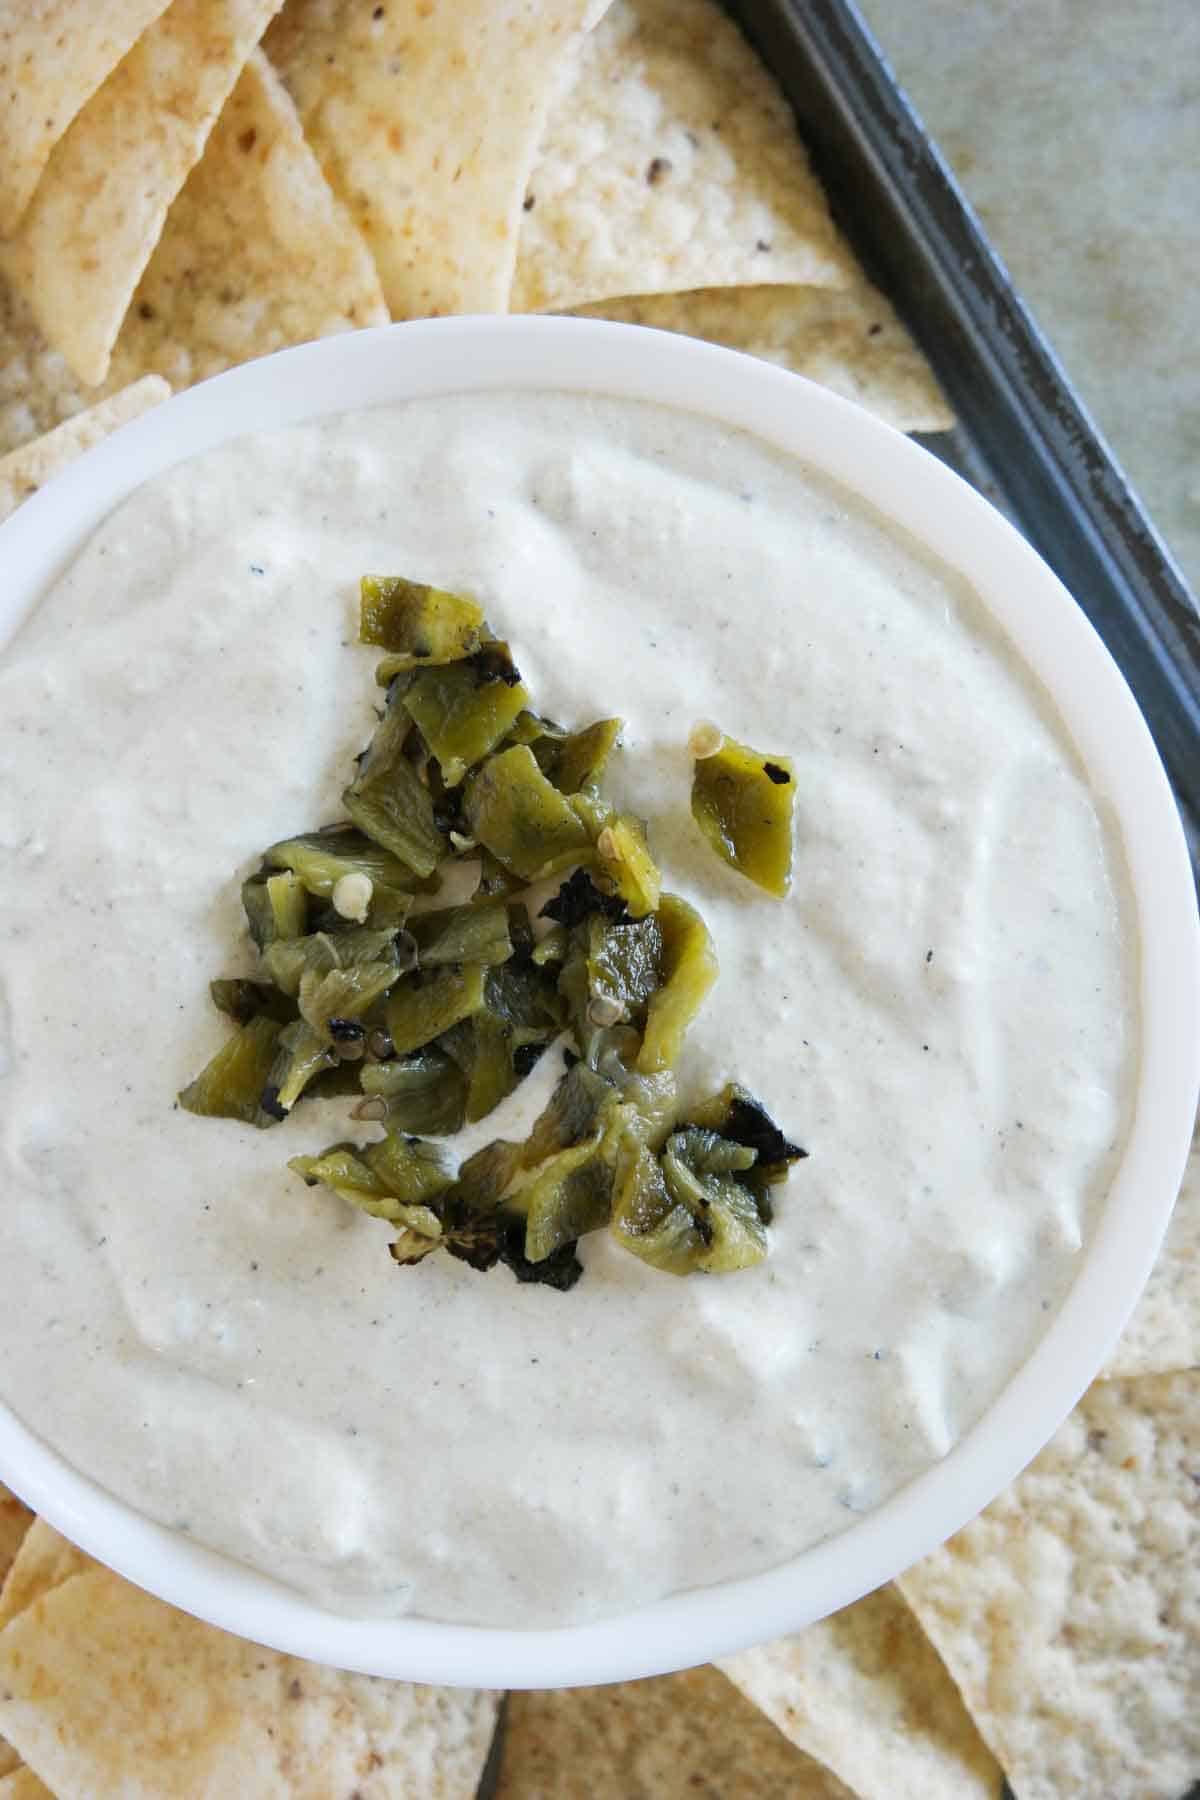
x=849, y=339
x=106, y=1690
x=15, y=1520
x=865, y=1692
x=1069, y=1614
x=53, y=57
x=44, y=1561
x=671, y=1739
x=1164, y=1332
x=23, y=1784
x=257, y=253
x=37, y=390
x=24, y=471
x=99, y=209
x=672, y=162
x=426, y=119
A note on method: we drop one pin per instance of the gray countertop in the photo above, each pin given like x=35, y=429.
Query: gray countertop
x=1074, y=128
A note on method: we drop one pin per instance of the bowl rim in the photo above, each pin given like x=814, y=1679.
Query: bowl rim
x=911, y=487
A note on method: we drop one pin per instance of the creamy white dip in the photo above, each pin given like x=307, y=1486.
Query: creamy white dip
x=940, y=1013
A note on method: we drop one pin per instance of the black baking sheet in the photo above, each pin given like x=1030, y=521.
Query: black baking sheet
x=1024, y=437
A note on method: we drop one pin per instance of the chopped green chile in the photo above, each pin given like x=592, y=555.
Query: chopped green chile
x=626, y=867
x=624, y=966
x=276, y=906
x=738, y=1116
x=388, y=800
x=479, y=932
x=689, y=969
x=569, y=1195
x=242, y=1000
x=690, y=1209
x=575, y=759
x=343, y=994
x=320, y=859
x=425, y=1004
x=743, y=801
x=495, y=880
x=230, y=1086
x=301, y=1055
x=416, y=623
x=394, y=808
x=574, y=1112
x=423, y=1092
x=425, y=1018
x=287, y=961
x=552, y=948
x=521, y=817
x=463, y=710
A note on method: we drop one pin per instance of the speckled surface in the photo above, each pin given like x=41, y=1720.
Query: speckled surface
x=1074, y=126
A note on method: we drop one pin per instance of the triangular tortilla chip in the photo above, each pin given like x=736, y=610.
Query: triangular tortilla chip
x=426, y=119
x=866, y=1693
x=37, y=390
x=25, y=470
x=671, y=162
x=45, y=1560
x=1069, y=1613
x=23, y=1784
x=98, y=212
x=15, y=1520
x=105, y=1690
x=849, y=339
x=675, y=1738
x=1164, y=1333
x=257, y=253
x=53, y=57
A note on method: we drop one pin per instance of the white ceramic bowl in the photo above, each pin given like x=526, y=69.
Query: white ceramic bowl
x=906, y=484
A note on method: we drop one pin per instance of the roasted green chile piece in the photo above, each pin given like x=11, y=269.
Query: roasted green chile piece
x=737, y=1115
x=230, y=1086
x=521, y=817
x=568, y=1195
x=645, y=1219
x=624, y=968
x=426, y=1004
x=479, y=932
x=388, y=799
x=576, y=759
x=276, y=906
x=653, y=1106
x=464, y=709
x=320, y=859
x=394, y=807
x=423, y=1092
x=495, y=881
x=394, y=1179
x=242, y=1000
x=707, y=1173
x=691, y=1209
x=301, y=1054
x=742, y=801
x=626, y=867
x=416, y=623
x=287, y=961
x=498, y=1045
x=575, y=1111
x=688, y=970
x=342, y=997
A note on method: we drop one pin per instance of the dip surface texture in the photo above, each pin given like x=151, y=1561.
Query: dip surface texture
x=939, y=1013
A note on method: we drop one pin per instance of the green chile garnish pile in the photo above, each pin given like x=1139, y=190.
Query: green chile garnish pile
x=431, y=1017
